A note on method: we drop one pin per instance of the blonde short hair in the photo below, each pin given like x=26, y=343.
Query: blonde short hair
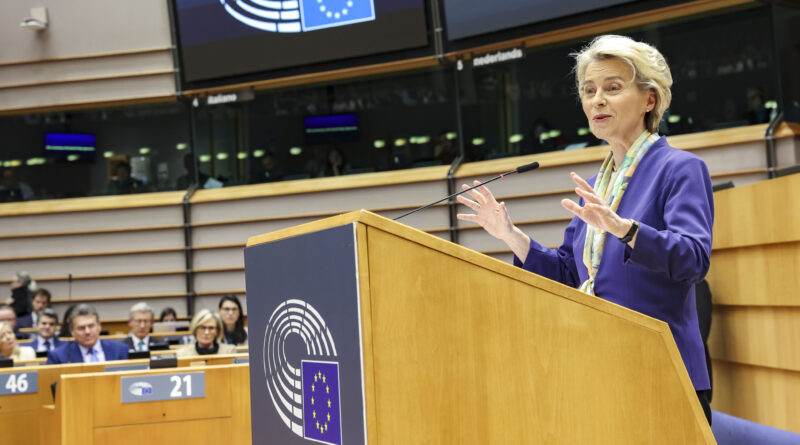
x=650, y=69
x=6, y=325
x=203, y=316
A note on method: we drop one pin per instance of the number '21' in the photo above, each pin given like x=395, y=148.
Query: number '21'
x=176, y=390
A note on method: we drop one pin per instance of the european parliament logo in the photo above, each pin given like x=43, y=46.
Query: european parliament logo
x=321, y=414
x=291, y=16
x=306, y=398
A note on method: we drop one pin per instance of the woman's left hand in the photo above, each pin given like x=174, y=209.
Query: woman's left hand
x=595, y=211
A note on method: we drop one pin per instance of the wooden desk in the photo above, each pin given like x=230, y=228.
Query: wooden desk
x=21, y=415
x=223, y=415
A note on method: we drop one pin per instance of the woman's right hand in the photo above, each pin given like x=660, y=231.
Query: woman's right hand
x=490, y=214
x=494, y=218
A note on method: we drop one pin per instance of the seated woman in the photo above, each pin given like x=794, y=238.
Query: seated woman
x=230, y=309
x=206, y=327
x=8, y=344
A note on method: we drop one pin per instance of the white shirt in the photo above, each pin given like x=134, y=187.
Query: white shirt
x=40, y=341
x=98, y=352
x=136, y=341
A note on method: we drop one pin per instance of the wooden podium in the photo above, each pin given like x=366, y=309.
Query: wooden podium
x=457, y=347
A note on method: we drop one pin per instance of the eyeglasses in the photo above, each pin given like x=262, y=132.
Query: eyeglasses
x=207, y=328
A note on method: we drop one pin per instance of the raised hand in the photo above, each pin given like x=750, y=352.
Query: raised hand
x=595, y=211
x=490, y=214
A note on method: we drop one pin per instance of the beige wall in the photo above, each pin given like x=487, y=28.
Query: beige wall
x=92, y=51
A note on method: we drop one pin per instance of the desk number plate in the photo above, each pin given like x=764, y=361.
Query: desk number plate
x=151, y=388
x=19, y=383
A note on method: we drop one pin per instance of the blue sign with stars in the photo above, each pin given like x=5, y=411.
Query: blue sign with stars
x=321, y=416
x=319, y=14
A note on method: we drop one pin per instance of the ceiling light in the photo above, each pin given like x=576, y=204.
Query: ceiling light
x=204, y=158
x=181, y=146
x=144, y=150
x=222, y=156
x=295, y=151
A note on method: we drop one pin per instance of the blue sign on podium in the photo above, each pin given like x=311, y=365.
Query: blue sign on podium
x=306, y=374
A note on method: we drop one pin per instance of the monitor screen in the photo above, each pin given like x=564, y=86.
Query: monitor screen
x=225, y=38
x=331, y=127
x=70, y=146
x=468, y=18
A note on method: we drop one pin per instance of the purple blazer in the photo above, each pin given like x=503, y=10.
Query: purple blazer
x=670, y=196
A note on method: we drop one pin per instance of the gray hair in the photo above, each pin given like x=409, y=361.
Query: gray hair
x=26, y=280
x=141, y=307
x=650, y=69
x=82, y=309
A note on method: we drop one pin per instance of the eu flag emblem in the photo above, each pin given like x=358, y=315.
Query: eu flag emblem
x=321, y=415
x=319, y=14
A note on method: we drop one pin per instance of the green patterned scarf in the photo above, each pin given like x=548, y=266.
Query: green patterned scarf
x=612, y=193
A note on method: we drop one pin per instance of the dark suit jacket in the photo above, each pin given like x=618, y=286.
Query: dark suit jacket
x=70, y=353
x=26, y=321
x=153, y=343
x=33, y=344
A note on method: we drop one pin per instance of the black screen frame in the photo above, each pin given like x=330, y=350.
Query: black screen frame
x=353, y=62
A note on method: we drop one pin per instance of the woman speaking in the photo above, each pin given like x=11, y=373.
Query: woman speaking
x=641, y=234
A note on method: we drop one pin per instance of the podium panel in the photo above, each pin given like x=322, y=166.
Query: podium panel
x=456, y=347
x=305, y=344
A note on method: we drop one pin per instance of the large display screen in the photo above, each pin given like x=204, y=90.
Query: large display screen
x=468, y=18
x=225, y=38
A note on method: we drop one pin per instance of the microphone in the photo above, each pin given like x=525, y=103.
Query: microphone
x=521, y=169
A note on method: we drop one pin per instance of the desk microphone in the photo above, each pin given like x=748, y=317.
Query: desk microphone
x=520, y=169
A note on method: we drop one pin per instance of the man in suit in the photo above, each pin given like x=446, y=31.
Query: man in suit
x=140, y=320
x=8, y=315
x=46, y=325
x=41, y=301
x=87, y=347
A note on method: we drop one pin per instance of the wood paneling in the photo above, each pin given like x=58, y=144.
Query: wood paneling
x=762, y=213
x=753, y=335
x=764, y=395
x=762, y=275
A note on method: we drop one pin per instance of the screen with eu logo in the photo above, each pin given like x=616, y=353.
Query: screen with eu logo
x=221, y=39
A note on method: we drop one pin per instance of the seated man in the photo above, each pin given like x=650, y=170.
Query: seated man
x=87, y=346
x=140, y=320
x=8, y=315
x=41, y=300
x=46, y=325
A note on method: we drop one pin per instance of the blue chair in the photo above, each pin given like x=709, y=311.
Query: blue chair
x=730, y=430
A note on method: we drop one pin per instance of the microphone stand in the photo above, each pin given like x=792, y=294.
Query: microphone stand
x=520, y=169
